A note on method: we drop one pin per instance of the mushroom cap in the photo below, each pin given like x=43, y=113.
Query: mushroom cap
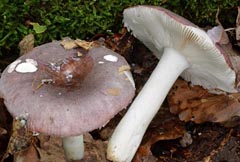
x=61, y=111
x=158, y=28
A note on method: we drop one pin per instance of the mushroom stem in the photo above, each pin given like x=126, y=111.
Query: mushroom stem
x=73, y=147
x=128, y=135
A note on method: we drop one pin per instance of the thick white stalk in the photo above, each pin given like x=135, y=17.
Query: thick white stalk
x=73, y=147
x=128, y=135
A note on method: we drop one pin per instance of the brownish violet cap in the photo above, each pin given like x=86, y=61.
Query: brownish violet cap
x=60, y=110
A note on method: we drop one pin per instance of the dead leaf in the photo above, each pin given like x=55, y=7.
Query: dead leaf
x=95, y=150
x=84, y=44
x=238, y=25
x=69, y=44
x=123, y=68
x=28, y=155
x=165, y=126
x=20, y=139
x=138, y=70
x=79, y=54
x=193, y=103
x=50, y=149
x=26, y=44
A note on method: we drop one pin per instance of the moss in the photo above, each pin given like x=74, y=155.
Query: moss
x=84, y=18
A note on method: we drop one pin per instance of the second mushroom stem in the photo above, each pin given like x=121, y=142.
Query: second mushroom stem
x=73, y=147
x=129, y=132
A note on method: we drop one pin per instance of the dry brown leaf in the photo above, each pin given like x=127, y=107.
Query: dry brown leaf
x=20, y=139
x=121, y=69
x=238, y=25
x=26, y=44
x=69, y=44
x=165, y=126
x=84, y=44
x=193, y=103
x=95, y=150
x=138, y=70
x=28, y=155
x=50, y=149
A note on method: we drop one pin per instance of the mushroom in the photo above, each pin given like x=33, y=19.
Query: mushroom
x=64, y=109
x=183, y=49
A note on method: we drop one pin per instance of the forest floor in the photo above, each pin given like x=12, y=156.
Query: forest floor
x=168, y=139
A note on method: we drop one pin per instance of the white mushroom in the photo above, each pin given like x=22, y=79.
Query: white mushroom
x=183, y=49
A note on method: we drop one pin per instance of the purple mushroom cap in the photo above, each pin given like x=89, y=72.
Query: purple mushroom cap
x=61, y=111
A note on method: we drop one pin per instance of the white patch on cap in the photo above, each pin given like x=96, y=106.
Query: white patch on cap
x=100, y=62
x=26, y=67
x=110, y=58
x=12, y=66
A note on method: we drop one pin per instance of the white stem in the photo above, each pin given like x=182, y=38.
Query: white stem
x=129, y=132
x=73, y=147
